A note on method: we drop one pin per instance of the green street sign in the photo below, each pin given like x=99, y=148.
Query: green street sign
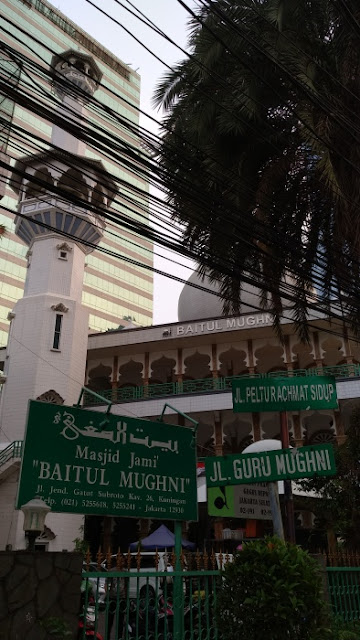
x=87, y=462
x=240, y=501
x=268, y=466
x=284, y=394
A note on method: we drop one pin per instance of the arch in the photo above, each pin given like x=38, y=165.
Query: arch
x=80, y=66
x=98, y=198
x=163, y=370
x=130, y=374
x=51, y=396
x=100, y=378
x=333, y=350
x=34, y=189
x=269, y=358
x=197, y=367
x=322, y=436
x=319, y=422
x=232, y=362
x=304, y=355
x=237, y=435
x=73, y=181
x=205, y=439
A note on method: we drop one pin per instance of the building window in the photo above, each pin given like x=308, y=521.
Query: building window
x=57, y=332
x=63, y=255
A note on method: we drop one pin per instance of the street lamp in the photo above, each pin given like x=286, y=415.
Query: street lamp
x=35, y=512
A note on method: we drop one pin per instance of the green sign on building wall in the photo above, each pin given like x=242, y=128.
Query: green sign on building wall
x=284, y=394
x=86, y=462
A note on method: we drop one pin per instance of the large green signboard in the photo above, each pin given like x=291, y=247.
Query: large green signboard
x=284, y=394
x=268, y=466
x=86, y=462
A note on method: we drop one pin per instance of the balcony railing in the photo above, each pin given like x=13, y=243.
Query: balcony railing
x=211, y=385
x=14, y=450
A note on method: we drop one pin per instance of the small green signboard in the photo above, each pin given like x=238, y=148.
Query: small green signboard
x=268, y=466
x=240, y=501
x=284, y=394
x=86, y=462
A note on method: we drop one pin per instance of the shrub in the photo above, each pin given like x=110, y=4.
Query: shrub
x=272, y=590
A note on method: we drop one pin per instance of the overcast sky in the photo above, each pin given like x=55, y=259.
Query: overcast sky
x=172, y=18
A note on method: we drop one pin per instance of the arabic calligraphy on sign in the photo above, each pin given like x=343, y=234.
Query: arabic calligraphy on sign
x=71, y=432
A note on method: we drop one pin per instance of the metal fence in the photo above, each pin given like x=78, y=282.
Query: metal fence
x=344, y=592
x=136, y=600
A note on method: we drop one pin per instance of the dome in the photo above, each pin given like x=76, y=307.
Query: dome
x=195, y=304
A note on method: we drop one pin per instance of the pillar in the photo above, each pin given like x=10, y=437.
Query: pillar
x=114, y=380
x=319, y=361
x=339, y=426
x=146, y=374
x=299, y=440
x=251, y=365
x=219, y=451
x=256, y=426
x=179, y=374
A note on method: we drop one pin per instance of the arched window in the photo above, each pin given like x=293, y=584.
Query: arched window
x=98, y=197
x=35, y=188
x=73, y=182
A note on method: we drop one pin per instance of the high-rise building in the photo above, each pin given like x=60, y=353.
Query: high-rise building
x=115, y=291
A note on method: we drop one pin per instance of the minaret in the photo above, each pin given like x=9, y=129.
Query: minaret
x=46, y=353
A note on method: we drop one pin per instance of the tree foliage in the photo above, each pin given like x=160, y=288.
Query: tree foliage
x=337, y=507
x=260, y=149
x=272, y=590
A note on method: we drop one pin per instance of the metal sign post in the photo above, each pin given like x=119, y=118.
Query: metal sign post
x=289, y=500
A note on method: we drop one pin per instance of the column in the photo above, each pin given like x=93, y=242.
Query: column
x=114, y=381
x=146, y=374
x=299, y=440
x=318, y=360
x=348, y=356
x=218, y=434
x=214, y=365
x=288, y=360
x=339, y=426
x=144, y=526
x=179, y=374
x=251, y=365
x=219, y=451
x=256, y=426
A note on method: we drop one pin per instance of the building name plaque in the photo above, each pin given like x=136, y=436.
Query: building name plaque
x=224, y=324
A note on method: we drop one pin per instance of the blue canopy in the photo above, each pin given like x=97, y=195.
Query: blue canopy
x=161, y=539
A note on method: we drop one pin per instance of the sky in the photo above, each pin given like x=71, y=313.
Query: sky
x=172, y=18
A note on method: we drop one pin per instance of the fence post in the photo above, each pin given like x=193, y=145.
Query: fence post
x=178, y=587
x=321, y=560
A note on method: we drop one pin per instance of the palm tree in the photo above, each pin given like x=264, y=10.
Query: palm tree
x=260, y=152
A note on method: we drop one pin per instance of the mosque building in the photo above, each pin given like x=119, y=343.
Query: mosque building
x=189, y=364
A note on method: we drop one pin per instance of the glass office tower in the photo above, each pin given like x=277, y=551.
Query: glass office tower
x=115, y=290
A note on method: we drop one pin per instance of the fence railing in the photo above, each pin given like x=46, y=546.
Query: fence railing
x=14, y=450
x=150, y=599
x=344, y=592
x=206, y=385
